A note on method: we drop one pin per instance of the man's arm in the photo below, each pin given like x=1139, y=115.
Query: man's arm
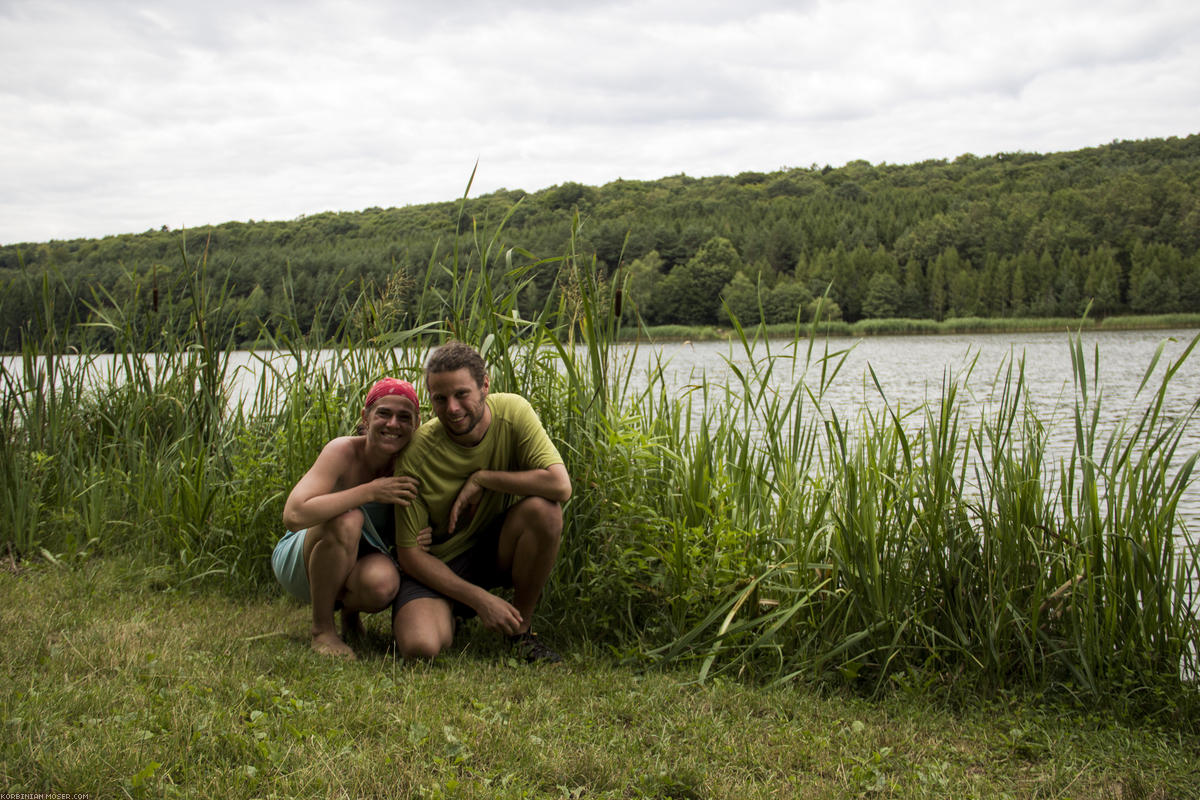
x=494, y=612
x=552, y=483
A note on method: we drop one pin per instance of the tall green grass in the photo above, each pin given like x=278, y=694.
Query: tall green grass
x=740, y=527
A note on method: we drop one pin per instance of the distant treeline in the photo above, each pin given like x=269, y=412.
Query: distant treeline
x=1009, y=235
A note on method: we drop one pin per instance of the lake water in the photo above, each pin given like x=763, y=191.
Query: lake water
x=911, y=369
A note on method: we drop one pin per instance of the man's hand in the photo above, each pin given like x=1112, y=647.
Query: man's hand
x=397, y=490
x=465, y=504
x=498, y=615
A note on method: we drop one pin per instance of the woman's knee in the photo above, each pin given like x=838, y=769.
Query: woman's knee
x=343, y=531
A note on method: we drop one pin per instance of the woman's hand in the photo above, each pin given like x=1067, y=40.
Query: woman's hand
x=396, y=490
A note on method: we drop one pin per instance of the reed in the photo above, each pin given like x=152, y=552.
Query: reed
x=910, y=327
x=884, y=327
x=949, y=549
x=739, y=527
x=1154, y=321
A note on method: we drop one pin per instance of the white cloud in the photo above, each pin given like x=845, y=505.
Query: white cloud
x=123, y=116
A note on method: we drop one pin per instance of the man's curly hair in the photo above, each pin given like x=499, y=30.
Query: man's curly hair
x=454, y=356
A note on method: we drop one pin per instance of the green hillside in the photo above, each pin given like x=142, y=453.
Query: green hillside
x=1012, y=234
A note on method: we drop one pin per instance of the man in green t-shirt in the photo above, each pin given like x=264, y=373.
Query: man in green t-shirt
x=492, y=488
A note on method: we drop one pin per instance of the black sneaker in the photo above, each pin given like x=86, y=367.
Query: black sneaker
x=529, y=647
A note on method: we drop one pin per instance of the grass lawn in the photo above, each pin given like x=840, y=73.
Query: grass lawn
x=114, y=684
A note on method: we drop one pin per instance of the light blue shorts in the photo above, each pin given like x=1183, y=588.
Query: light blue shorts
x=287, y=560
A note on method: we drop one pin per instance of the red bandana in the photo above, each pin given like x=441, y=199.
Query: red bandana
x=387, y=386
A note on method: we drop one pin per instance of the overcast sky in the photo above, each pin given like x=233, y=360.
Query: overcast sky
x=119, y=116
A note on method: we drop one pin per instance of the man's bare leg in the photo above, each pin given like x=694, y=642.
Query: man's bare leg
x=423, y=627
x=529, y=541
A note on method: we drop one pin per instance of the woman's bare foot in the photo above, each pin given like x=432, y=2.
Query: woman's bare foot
x=330, y=644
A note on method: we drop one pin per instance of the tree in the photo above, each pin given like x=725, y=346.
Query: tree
x=691, y=291
x=1020, y=289
x=844, y=273
x=992, y=293
x=741, y=299
x=642, y=291
x=823, y=309
x=1151, y=294
x=1152, y=289
x=884, y=296
x=1160, y=293
x=1068, y=284
x=1189, y=284
x=913, y=301
x=1103, y=284
x=254, y=310
x=946, y=265
x=1042, y=299
x=785, y=300
x=782, y=245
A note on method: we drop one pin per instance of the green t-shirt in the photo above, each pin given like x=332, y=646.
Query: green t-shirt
x=514, y=441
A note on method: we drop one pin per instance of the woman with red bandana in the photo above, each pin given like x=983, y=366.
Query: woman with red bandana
x=340, y=518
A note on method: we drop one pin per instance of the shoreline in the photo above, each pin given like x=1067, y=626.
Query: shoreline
x=655, y=334
x=910, y=327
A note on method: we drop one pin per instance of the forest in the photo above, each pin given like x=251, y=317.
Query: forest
x=1109, y=230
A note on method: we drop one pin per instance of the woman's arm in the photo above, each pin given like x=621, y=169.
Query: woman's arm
x=316, y=499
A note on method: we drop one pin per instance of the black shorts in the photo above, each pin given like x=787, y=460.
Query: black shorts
x=477, y=566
